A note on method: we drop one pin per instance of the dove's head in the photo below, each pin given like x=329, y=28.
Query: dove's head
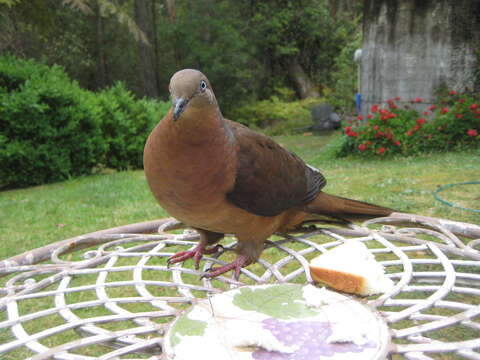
x=191, y=92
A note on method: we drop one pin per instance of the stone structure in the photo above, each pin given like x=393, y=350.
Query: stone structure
x=324, y=118
x=413, y=47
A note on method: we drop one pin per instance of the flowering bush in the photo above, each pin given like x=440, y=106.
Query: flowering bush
x=398, y=128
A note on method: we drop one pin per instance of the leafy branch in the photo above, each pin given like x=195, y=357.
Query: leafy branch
x=108, y=7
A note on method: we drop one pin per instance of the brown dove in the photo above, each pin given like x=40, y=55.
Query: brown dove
x=219, y=177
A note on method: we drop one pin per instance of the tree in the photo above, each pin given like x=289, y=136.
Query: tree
x=299, y=40
x=146, y=52
x=100, y=47
x=250, y=50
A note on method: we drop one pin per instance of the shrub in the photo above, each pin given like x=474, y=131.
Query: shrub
x=49, y=128
x=276, y=116
x=126, y=124
x=452, y=123
x=14, y=73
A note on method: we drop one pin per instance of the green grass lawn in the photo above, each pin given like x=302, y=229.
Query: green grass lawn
x=36, y=216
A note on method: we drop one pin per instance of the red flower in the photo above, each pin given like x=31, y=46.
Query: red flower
x=416, y=128
x=473, y=107
x=461, y=101
x=374, y=108
x=375, y=127
x=350, y=132
x=421, y=121
x=417, y=100
x=472, y=132
x=360, y=117
x=362, y=147
x=458, y=116
x=369, y=116
x=385, y=115
x=426, y=113
x=398, y=143
x=381, y=150
x=444, y=110
x=392, y=104
x=379, y=134
x=453, y=92
x=432, y=107
x=369, y=142
x=409, y=133
x=397, y=98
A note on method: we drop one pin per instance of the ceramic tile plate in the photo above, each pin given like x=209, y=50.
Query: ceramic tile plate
x=278, y=322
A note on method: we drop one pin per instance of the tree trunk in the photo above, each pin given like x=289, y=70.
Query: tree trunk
x=171, y=9
x=101, y=78
x=146, y=54
x=156, y=56
x=412, y=48
x=172, y=16
x=305, y=86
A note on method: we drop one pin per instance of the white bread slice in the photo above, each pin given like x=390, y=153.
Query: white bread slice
x=351, y=268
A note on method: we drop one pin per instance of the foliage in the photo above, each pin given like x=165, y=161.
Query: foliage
x=345, y=76
x=49, y=129
x=276, y=115
x=8, y=2
x=452, y=123
x=108, y=7
x=209, y=36
x=304, y=30
x=55, y=34
x=244, y=47
x=126, y=124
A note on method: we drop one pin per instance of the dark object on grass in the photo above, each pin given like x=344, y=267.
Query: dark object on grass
x=324, y=118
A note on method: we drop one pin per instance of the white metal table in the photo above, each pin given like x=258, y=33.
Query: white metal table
x=111, y=295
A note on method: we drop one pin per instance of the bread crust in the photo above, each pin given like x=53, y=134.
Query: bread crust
x=339, y=280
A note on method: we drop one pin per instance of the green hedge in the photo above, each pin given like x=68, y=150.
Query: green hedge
x=51, y=129
x=125, y=125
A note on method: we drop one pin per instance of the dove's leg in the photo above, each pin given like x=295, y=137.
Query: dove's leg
x=236, y=265
x=206, y=238
x=248, y=249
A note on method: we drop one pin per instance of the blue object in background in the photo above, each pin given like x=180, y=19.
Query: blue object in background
x=358, y=102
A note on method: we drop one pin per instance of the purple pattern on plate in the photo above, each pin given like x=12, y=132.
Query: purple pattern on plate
x=309, y=336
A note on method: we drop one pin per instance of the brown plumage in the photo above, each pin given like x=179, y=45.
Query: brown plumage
x=220, y=177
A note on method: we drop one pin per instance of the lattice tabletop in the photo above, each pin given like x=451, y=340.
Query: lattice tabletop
x=116, y=299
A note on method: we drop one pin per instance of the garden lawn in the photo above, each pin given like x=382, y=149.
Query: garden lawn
x=37, y=216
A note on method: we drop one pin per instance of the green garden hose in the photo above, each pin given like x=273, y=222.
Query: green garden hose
x=445, y=202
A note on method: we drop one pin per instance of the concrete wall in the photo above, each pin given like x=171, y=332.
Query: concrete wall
x=412, y=47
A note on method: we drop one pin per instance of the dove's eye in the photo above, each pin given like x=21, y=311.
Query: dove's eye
x=203, y=85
